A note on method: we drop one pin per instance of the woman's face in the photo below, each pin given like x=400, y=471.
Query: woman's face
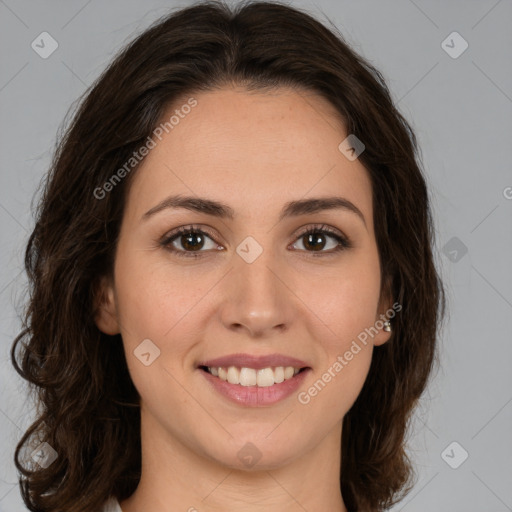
x=247, y=285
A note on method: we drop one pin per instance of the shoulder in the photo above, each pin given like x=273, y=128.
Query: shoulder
x=111, y=505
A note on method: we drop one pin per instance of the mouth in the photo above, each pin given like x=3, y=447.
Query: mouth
x=254, y=387
x=254, y=380
x=258, y=377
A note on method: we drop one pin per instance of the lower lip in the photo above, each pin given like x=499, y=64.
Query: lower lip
x=254, y=396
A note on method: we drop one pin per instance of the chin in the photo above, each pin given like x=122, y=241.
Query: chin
x=256, y=453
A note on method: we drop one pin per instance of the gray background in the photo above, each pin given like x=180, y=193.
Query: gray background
x=461, y=109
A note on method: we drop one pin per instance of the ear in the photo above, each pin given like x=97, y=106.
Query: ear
x=385, y=304
x=105, y=308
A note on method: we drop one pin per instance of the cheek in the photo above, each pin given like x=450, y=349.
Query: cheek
x=345, y=303
x=345, y=300
x=153, y=307
x=158, y=303
x=344, y=362
x=151, y=299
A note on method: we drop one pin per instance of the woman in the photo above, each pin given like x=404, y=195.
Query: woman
x=234, y=304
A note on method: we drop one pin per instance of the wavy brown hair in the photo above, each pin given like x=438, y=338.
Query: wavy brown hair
x=87, y=406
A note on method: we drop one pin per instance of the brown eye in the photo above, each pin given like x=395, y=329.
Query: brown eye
x=189, y=241
x=314, y=242
x=316, y=239
x=192, y=241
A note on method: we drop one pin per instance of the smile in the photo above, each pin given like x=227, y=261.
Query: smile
x=263, y=377
x=252, y=387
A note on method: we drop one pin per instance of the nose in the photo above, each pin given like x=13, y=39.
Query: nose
x=258, y=297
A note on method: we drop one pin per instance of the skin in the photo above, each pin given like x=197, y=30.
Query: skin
x=254, y=151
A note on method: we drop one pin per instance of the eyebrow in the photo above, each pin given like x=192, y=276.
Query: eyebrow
x=224, y=211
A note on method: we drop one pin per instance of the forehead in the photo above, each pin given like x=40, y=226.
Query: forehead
x=252, y=150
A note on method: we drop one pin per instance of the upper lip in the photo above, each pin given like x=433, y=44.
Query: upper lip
x=252, y=361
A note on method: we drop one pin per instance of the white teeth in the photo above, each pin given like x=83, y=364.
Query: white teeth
x=288, y=372
x=279, y=375
x=233, y=375
x=247, y=377
x=263, y=377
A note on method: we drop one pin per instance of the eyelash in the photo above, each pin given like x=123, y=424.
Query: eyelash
x=166, y=242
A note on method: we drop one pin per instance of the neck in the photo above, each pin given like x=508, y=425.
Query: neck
x=175, y=477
